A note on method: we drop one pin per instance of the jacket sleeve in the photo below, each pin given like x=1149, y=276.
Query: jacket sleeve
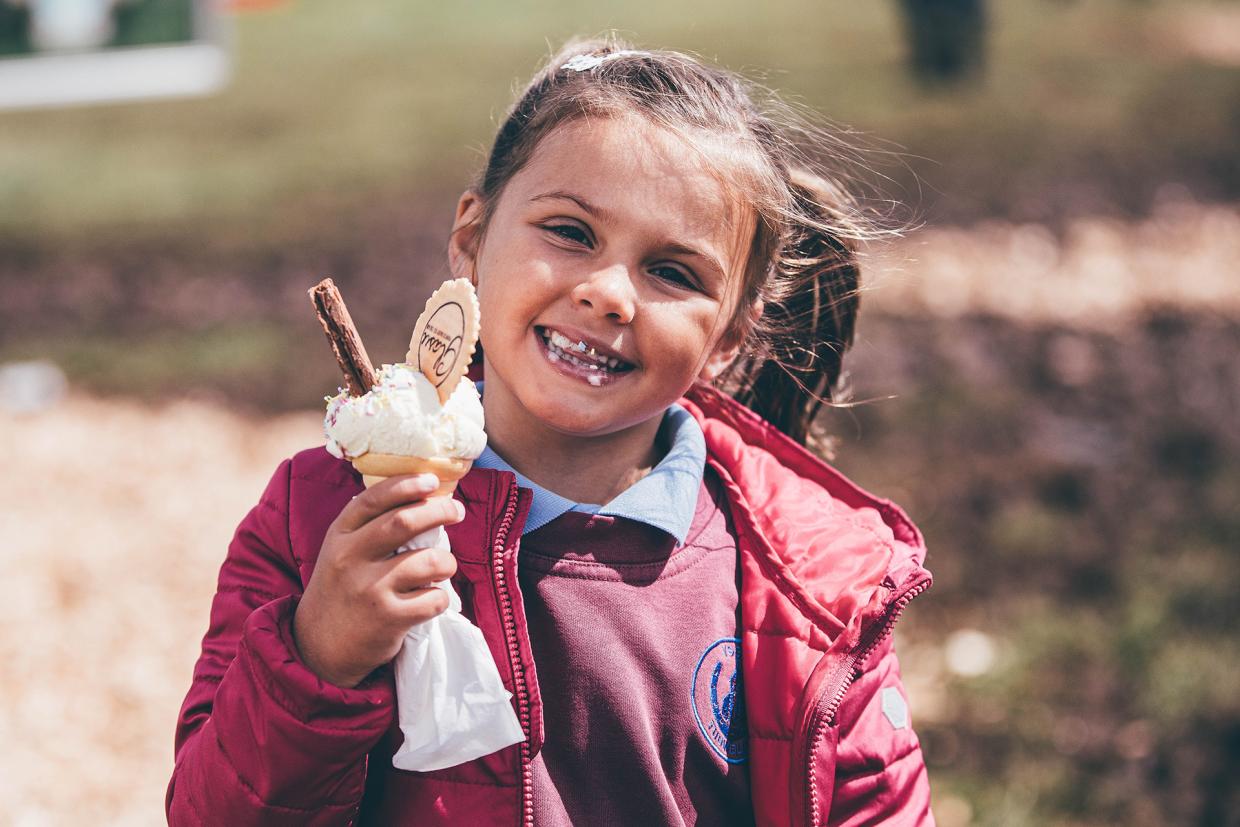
x=880, y=775
x=260, y=738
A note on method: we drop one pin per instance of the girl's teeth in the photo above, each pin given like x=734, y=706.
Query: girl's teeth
x=563, y=348
x=561, y=341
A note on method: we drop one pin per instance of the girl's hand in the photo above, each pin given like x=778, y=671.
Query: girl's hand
x=361, y=600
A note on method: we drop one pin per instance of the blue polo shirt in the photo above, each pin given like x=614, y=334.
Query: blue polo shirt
x=665, y=498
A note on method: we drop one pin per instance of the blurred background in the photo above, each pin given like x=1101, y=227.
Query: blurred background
x=1052, y=354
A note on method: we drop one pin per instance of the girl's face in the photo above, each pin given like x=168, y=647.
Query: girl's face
x=607, y=276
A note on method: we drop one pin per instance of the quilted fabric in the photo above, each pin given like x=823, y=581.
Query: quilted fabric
x=826, y=569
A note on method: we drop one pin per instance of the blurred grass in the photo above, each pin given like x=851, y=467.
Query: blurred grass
x=347, y=132
x=224, y=359
x=333, y=105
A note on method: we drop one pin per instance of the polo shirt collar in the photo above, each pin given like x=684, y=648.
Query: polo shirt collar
x=666, y=498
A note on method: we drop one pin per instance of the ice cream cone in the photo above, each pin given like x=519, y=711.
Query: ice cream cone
x=376, y=467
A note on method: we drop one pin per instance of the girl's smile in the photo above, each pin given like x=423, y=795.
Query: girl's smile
x=576, y=355
x=607, y=274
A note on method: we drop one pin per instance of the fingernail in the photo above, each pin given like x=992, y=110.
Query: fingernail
x=460, y=510
x=427, y=481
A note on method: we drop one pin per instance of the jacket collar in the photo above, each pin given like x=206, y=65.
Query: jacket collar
x=828, y=551
x=837, y=555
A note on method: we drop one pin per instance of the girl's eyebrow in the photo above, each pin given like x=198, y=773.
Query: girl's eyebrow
x=606, y=217
x=597, y=212
x=709, y=260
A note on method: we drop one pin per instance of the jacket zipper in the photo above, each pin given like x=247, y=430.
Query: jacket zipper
x=514, y=653
x=830, y=698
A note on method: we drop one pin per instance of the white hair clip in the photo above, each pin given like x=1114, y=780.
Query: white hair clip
x=584, y=63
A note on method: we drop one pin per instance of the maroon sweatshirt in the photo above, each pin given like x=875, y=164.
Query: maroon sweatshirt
x=635, y=644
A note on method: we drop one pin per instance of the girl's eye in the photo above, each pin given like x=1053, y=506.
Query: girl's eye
x=569, y=232
x=674, y=275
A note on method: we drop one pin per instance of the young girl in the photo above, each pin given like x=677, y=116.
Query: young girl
x=692, y=612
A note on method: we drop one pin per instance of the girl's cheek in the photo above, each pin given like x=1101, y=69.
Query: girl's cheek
x=542, y=271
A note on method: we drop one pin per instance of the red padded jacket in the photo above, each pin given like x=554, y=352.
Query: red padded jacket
x=825, y=571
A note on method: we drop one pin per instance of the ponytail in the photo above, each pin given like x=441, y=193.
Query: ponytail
x=810, y=303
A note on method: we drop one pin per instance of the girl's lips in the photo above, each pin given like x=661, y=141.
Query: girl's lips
x=590, y=366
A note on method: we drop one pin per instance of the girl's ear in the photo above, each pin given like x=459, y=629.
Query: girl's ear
x=729, y=346
x=720, y=359
x=465, y=238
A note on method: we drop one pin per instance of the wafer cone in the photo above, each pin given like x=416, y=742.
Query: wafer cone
x=376, y=467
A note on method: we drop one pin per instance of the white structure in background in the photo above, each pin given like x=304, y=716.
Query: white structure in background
x=74, y=66
x=70, y=25
x=30, y=387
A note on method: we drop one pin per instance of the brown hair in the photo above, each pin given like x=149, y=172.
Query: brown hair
x=802, y=264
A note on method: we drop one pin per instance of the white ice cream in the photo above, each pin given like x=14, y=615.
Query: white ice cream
x=401, y=415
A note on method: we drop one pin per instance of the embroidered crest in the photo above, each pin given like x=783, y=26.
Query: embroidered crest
x=719, y=701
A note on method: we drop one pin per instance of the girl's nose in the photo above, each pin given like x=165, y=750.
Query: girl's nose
x=608, y=292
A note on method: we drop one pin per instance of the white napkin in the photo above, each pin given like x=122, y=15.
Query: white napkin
x=450, y=701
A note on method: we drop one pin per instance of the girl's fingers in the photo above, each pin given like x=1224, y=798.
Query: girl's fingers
x=377, y=500
x=418, y=569
x=422, y=604
x=389, y=531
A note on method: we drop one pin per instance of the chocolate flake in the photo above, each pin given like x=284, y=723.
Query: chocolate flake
x=359, y=374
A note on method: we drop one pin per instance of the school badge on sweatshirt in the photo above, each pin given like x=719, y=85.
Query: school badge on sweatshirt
x=719, y=702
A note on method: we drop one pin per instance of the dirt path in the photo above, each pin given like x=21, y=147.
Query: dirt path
x=116, y=518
